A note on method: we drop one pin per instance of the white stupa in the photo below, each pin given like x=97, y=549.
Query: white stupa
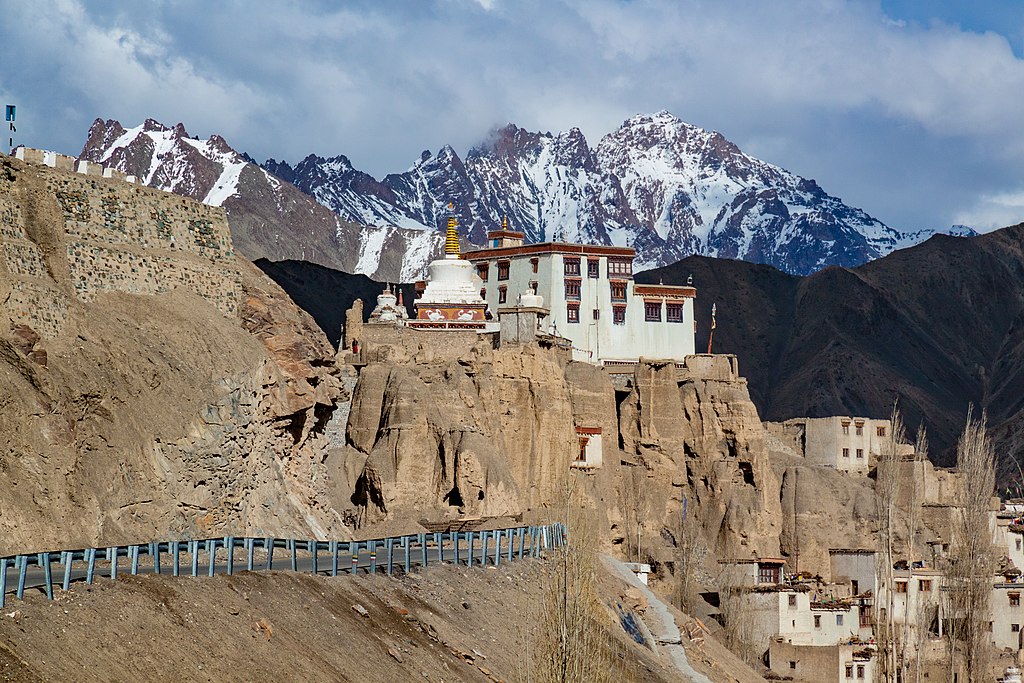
x=451, y=299
x=389, y=309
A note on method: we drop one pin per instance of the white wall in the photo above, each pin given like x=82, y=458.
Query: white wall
x=593, y=340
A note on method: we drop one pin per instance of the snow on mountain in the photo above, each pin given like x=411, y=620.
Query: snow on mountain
x=658, y=184
x=268, y=216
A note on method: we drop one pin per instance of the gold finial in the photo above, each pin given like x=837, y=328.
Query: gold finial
x=504, y=222
x=451, y=237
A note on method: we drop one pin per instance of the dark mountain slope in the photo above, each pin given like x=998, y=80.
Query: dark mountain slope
x=325, y=293
x=940, y=325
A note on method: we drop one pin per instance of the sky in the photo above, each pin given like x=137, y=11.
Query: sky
x=912, y=110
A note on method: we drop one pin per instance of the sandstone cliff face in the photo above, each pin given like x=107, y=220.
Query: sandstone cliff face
x=487, y=435
x=151, y=382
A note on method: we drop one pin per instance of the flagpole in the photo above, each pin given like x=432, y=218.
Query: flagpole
x=712, y=335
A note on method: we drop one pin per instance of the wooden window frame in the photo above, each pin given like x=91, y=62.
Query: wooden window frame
x=649, y=315
x=503, y=269
x=571, y=266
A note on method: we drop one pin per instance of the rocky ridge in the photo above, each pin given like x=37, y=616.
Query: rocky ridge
x=269, y=217
x=152, y=383
x=663, y=186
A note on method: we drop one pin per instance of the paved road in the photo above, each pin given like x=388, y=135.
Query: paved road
x=35, y=577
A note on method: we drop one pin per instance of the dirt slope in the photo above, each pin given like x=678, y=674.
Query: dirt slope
x=284, y=626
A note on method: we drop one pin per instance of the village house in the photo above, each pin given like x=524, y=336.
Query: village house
x=848, y=444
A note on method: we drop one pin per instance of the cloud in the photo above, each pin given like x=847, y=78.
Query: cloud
x=994, y=211
x=915, y=122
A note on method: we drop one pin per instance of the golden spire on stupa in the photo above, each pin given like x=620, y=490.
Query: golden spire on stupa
x=451, y=237
x=504, y=222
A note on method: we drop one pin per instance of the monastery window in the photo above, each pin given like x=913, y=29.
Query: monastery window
x=849, y=670
x=619, y=315
x=901, y=586
x=482, y=270
x=860, y=453
x=572, y=290
x=502, y=270
x=846, y=452
x=846, y=428
x=582, y=455
x=572, y=266
x=1014, y=599
x=839, y=620
x=674, y=313
x=880, y=431
x=768, y=573
x=483, y=292
x=792, y=664
x=597, y=314
x=534, y=263
x=860, y=429
x=593, y=267
x=572, y=313
x=502, y=294
x=817, y=621
x=860, y=671
x=924, y=585
x=652, y=311
x=792, y=600
x=618, y=291
x=1015, y=628
x=620, y=266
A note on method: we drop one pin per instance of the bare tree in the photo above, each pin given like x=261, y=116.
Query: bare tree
x=572, y=643
x=636, y=501
x=886, y=496
x=690, y=552
x=734, y=606
x=973, y=560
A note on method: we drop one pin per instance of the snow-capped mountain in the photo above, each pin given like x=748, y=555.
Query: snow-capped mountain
x=269, y=217
x=658, y=184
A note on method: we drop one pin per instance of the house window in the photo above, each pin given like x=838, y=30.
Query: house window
x=619, y=266
x=572, y=290
x=572, y=266
x=817, y=621
x=502, y=294
x=839, y=620
x=483, y=270
x=534, y=263
x=593, y=267
x=1014, y=599
x=792, y=664
x=618, y=291
x=901, y=586
x=846, y=452
x=860, y=429
x=792, y=600
x=597, y=314
x=924, y=585
x=880, y=431
x=619, y=315
x=572, y=313
x=860, y=453
x=768, y=573
x=483, y=292
x=1015, y=628
x=860, y=671
x=849, y=670
x=502, y=270
x=652, y=311
x=1018, y=544
x=582, y=455
x=846, y=428
x=674, y=313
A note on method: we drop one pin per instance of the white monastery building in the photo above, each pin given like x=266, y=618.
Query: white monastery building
x=593, y=300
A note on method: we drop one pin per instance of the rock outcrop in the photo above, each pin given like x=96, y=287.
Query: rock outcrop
x=152, y=383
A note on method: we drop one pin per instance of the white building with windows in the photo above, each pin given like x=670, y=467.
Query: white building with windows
x=594, y=302
x=849, y=444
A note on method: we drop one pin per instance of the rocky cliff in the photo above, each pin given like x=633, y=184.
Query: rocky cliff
x=152, y=383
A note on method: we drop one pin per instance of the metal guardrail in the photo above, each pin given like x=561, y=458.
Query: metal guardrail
x=400, y=553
